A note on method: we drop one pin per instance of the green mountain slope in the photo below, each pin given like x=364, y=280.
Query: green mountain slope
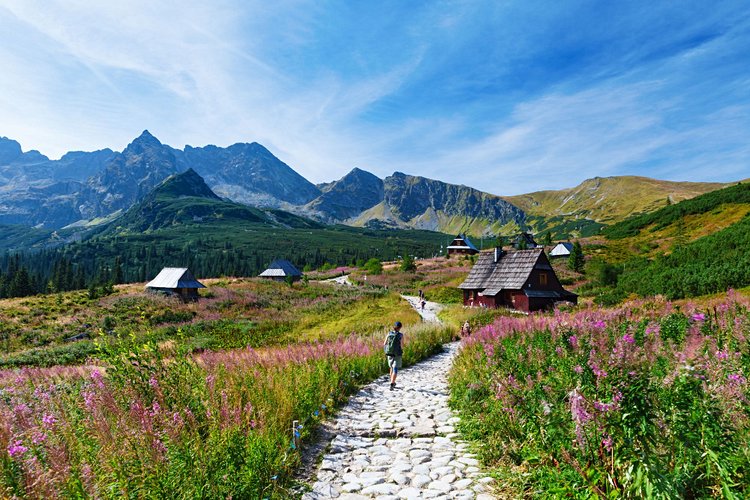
x=583, y=210
x=182, y=223
x=186, y=200
x=695, y=247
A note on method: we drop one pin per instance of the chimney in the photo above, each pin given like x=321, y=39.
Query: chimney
x=499, y=252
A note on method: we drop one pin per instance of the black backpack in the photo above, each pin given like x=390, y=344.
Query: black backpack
x=393, y=344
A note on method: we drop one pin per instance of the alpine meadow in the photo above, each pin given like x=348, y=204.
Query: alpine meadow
x=374, y=250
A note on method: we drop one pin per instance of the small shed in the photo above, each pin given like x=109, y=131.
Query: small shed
x=281, y=270
x=522, y=280
x=176, y=281
x=561, y=250
x=462, y=245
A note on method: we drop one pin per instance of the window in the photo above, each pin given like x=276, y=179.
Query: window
x=542, y=278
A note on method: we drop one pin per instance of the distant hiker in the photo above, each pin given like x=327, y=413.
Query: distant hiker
x=424, y=302
x=466, y=329
x=393, y=351
x=421, y=294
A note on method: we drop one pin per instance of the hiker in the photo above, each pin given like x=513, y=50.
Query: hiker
x=424, y=302
x=466, y=329
x=421, y=294
x=393, y=351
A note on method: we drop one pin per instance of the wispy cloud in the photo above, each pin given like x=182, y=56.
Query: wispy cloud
x=506, y=97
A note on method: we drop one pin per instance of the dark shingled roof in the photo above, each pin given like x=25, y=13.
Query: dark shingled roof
x=479, y=273
x=509, y=273
x=512, y=271
x=280, y=268
x=462, y=238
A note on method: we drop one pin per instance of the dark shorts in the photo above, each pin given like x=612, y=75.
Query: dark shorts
x=394, y=362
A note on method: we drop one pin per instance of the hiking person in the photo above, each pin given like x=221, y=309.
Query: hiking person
x=466, y=329
x=393, y=351
x=424, y=302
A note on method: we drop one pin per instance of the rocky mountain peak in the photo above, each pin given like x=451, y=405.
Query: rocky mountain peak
x=10, y=150
x=187, y=183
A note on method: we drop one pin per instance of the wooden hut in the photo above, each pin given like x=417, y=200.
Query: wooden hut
x=281, y=270
x=561, y=250
x=462, y=245
x=176, y=281
x=522, y=280
x=523, y=241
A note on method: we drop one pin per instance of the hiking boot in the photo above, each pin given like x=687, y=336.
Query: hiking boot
x=393, y=385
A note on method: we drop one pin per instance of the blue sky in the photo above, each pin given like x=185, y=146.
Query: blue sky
x=505, y=96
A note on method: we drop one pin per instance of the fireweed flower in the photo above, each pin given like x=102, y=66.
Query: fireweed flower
x=16, y=448
x=607, y=442
x=698, y=317
x=579, y=415
x=628, y=338
x=49, y=421
x=578, y=369
x=573, y=340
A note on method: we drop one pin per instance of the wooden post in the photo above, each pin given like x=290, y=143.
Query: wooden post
x=295, y=438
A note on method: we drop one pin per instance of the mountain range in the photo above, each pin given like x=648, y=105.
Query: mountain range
x=88, y=188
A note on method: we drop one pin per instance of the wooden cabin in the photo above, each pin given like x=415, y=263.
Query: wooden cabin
x=523, y=241
x=281, y=270
x=177, y=281
x=462, y=245
x=523, y=280
x=561, y=250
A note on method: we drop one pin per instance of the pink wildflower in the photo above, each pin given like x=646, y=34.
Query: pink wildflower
x=628, y=338
x=698, y=317
x=49, y=421
x=16, y=448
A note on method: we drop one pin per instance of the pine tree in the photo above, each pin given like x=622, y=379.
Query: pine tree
x=576, y=260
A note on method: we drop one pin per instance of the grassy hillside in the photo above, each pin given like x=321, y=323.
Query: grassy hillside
x=609, y=199
x=695, y=247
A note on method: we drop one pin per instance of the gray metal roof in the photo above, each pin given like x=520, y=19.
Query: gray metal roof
x=561, y=249
x=280, y=268
x=175, y=277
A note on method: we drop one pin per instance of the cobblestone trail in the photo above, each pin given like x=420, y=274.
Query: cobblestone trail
x=401, y=444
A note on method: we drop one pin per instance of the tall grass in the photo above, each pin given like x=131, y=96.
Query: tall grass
x=171, y=424
x=648, y=400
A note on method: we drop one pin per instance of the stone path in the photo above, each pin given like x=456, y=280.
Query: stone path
x=430, y=311
x=401, y=444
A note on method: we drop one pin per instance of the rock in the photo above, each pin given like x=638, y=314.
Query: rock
x=381, y=489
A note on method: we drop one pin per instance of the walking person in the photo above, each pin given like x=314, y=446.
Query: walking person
x=394, y=351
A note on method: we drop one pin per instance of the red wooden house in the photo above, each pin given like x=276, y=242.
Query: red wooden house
x=522, y=280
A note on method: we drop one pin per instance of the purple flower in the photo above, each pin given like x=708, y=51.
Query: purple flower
x=49, y=421
x=16, y=448
x=628, y=338
x=698, y=317
x=607, y=442
x=573, y=341
x=722, y=354
x=578, y=369
x=600, y=324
